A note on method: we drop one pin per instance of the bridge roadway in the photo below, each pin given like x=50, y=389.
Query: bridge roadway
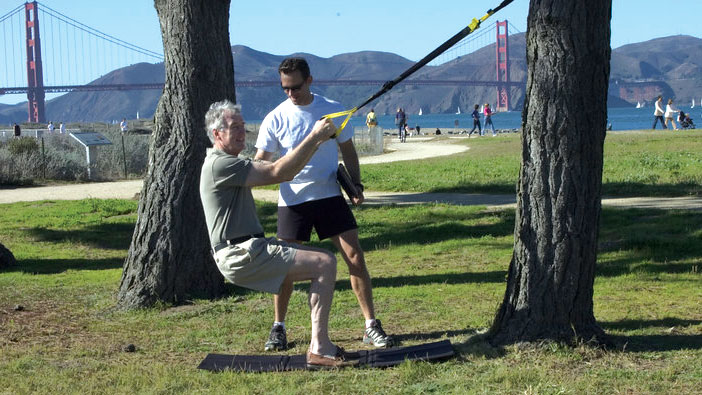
x=249, y=84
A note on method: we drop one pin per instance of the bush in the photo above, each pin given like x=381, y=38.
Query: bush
x=63, y=158
x=19, y=169
x=22, y=145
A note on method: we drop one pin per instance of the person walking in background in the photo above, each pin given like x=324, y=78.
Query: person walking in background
x=123, y=125
x=17, y=130
x=400, y=120
x=670, y=113
x=476, y=121
x=50, y=126
x=62, y=128
x=371, y=120
x=658, y=113
x=488, y=119
x=313, y=198
x=405, y=132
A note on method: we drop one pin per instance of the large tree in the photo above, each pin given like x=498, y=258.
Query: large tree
x=169, y=257
x=551, y=275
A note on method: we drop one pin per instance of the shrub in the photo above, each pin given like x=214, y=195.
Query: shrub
x=23, y=145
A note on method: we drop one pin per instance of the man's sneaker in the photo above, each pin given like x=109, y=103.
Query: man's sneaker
x=277, y=341
x=376, y=335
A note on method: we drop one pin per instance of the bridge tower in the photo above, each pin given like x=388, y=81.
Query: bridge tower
x=35, y=77
x=502, y=63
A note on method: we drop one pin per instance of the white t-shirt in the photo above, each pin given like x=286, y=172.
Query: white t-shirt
x=284, y=128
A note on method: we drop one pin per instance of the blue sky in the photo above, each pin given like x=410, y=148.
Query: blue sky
x=408, y=28
x=326, y=28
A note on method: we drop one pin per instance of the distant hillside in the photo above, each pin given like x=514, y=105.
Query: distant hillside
x=674, y=63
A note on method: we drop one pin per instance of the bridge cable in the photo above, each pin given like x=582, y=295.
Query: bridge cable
x=100, y=34
x=474, y=25
x=11, y=13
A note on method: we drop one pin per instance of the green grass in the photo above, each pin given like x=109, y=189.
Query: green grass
x=438, y=273
x=643, y=163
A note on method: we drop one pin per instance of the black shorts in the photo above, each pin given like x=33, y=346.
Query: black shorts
x=329, y=216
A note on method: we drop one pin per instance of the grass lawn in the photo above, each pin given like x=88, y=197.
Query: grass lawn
x=438, y=273
x=636, y=163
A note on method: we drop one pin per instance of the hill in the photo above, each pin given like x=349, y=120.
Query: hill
x=671, y=66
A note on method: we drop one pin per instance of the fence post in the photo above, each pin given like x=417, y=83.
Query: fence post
x=124, y=157
x=43, y=160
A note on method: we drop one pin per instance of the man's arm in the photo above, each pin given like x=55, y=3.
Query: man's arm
x=348, y=153
x=285, y=168
x=263, y=155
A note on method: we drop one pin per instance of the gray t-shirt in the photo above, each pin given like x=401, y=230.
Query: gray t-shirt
x=229, y=207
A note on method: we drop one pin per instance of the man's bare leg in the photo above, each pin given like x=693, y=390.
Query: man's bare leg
x=282, y=298
x=320, y=267
x=348, y=244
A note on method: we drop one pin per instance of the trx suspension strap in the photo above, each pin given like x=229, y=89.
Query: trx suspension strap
x=474, y=25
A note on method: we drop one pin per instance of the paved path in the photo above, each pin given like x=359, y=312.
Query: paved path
x=415, y=148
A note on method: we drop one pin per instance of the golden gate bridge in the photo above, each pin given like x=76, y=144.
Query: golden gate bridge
x=65, y=55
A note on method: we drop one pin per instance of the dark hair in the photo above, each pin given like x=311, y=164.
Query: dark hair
x=476, y=107
x=290, y=65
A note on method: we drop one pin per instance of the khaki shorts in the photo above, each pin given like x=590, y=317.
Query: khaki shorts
x=259, y=263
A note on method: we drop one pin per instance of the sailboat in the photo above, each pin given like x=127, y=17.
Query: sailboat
x=420, y=111
x=693, y=103
x=459, y=110
x=638, y=104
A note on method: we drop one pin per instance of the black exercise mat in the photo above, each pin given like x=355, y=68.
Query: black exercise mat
x=378, y=358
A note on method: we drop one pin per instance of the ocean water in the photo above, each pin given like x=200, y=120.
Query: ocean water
x=619, y=118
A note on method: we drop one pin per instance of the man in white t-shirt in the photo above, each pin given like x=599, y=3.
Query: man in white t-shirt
x=123, y=125
x=50, y=126
x=313, y=198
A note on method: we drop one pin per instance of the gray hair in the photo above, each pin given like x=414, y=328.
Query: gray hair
x=214, y=118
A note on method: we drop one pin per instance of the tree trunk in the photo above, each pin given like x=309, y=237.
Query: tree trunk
x=551, y=275
x=7, y=259
x=169, y=258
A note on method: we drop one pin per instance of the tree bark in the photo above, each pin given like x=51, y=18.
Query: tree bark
x=169, y=258
x=551, y=274
x=7, y=259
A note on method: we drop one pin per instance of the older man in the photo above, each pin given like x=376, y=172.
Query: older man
x=243, y=255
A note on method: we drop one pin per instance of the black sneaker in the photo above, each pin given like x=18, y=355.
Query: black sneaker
x=277, y=341
x=376, y=336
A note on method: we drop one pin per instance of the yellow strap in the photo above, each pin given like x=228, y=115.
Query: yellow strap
x=348, y=114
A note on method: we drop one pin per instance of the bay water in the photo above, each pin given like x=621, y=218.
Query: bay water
x=619, y=118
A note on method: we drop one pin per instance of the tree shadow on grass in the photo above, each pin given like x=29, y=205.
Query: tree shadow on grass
x=54, y=266
x=624, y=189
x=620, y=267
x=667, y=322
x=648, y=241
x=647, y=343
x=428, y=336
x=613, y=189
x=107, y=236
x=497, y=276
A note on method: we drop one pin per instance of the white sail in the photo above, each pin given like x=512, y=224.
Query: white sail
x=420, y=111
x=458, y=111
x=693, y=103
x=638, y=104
